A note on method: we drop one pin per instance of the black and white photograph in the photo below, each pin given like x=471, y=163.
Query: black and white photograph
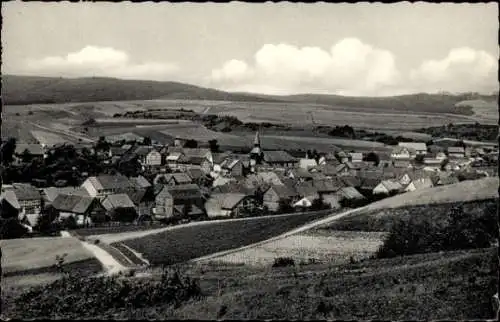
x=249, y=161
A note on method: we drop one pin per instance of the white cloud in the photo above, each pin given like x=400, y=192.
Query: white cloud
x=350, y=67
x=462, y=70
x=99, y=61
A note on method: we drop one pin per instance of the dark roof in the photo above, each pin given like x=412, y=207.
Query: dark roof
x=140, y=182
x=278, y=156
x=111, y=182
x=118, y=151
x=120, y=200
x=233, y=187
x=196, y=173
x=72, y=203
x=219, y=157
x=185, y=191
x=186, y=159
x=284, y=191
x=370, y=183
x=24, y=191
x=306, y=189
x=350, y=181
x=327, y=185
x=142, y=150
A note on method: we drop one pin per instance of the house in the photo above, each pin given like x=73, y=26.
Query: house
x=50, y=194
x=368, y=184
x=187, y=200
x=186, y=162
x=410, y=176
x=327, y=186
x=342, y=169
x=262, y=179
x=328, y=158
x=387, y=187
x=350, y=194
x=350, y=181
x=279, y=193
x=140, y=182
x=144, y=201
x=355, y=157
x=218, y=159
x=342, y=156
x=232, y=167
x=329, y=170
x=222, y=181
x=84, y=209
x=434, y=159
x=403, y=153
x=419, y=147
x=147, y=156
x=279, y=159
x=172, y=179
x=420, y=183
x=300, y=174
x=104, y=185
x=119, y=207
x=306, y=164
x=24, y=197
x=456, y=152
x=230, y=205
x=307, y=194
x=402, y=163
x=172, y=160
x=333, y=200
x=35, y=151
x=199, y=177
x=164, y=204
x=199, y=153
x=124, y=137
x=117, y=151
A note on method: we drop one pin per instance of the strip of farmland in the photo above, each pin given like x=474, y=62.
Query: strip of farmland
x=180, y=245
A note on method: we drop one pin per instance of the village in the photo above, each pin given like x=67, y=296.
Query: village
x=184, y=182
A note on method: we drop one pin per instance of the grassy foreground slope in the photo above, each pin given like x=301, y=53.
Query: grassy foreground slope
x=452, y=285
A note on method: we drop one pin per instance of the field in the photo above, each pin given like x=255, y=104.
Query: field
x=483, y=109
x=182, y=244
x=37, y=253
x=334, y=247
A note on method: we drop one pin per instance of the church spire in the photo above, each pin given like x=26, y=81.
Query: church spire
x=256, y=141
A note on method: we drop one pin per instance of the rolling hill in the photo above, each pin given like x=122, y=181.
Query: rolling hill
x=19, y=90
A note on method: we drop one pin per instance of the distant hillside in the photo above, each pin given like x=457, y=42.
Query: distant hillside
x=17, y=90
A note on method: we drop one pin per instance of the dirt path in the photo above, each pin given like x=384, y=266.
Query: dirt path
x=111, y=265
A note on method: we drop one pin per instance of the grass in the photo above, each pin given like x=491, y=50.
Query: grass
x=331, y=246
x=455, y=285
x=383, y=219
x=452, y=285
x=185, y=243
x=39, y=253
x=481, y=189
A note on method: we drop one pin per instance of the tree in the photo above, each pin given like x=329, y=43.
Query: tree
x=319, y=204
x=444, y=163
x=373, y=157
x=8, y=149
x=214, y=146
x=146, y=141
x=284, y=206
x=26, y=156
x=191, y=144
x=419, y=158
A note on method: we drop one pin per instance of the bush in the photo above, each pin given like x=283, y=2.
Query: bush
x=460, y=230
x=283, y=262
x=75, y=296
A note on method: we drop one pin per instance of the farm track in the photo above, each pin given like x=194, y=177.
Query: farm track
x=66, y=133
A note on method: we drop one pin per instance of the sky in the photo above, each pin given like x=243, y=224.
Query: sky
x=359, y=49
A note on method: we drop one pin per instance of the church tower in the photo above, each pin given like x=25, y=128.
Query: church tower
x=256, y=154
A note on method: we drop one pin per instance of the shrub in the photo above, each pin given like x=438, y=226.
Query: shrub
x=75, y=296
x=283, y=262
x=462, y=230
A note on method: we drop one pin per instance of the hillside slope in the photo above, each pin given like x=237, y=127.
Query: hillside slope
x=17, y=90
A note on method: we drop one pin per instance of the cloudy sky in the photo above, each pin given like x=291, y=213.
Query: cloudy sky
x=346, y=49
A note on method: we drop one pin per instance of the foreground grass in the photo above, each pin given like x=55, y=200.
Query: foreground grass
x=451, y=285
x=179, y=245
